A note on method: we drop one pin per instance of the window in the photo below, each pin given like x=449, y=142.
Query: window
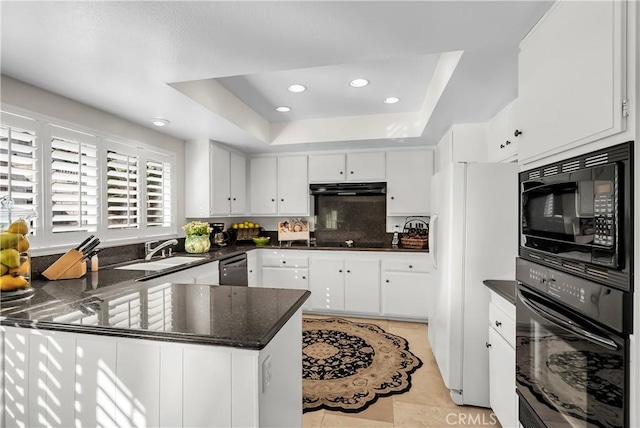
x=18, y=163
x=122, y=191
x=158, y=193
x=74, y=182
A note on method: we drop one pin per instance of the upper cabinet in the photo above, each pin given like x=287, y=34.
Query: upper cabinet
x=409, y=182
x=339, y=167
x=502, y=143
x=571, y=86
x=215, y=180
x=279, y=185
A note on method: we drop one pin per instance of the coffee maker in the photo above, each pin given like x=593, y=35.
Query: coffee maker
x=220, y=237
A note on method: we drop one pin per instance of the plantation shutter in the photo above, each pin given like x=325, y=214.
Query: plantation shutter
x=74, y=182
x=158, y=191
x=18, y=162
x=122, y=190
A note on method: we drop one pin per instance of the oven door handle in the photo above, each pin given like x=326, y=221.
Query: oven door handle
x=568, y=325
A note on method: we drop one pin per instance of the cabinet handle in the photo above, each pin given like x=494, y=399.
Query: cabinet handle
x=234, y=199
x=304, y=277
x=410, y=266
x=392, y=197
x=341, y=172
x=250, y=270
x=386, y=280
x=507, y=142
x=273, y=200
x=498, y=323
x=228, y=199
x=502, y=146
x=348, y=271
x=284, y=262
x=487, y=344
x=517, y=132
x=351, y=172
x=281, y=200
x=340, y=271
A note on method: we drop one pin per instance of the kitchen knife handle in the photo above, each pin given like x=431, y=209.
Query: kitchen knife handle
x=85, y=242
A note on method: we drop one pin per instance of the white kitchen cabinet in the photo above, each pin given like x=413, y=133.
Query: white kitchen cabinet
x=207, y=273
x=502, y=361
x=502, y=144
x=326, y=283
x=409, y=182
x=345, y=282
x=285, y=269
x=253, y=268
x=571, y=84
x=215, y=180
x=279, y=185
x=362, y=285
x=407, y=287
x=340, y=167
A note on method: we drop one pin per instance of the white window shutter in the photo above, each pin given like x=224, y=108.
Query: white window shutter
x=18, y=164
x=158, y=191
x=123, y=193
x=74, y=184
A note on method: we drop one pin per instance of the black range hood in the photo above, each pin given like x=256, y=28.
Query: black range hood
x=348, y=189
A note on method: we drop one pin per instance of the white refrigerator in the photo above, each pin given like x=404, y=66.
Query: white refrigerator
x=473, y=236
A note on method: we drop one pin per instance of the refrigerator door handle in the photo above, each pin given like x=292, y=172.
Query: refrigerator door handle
x=433, y=232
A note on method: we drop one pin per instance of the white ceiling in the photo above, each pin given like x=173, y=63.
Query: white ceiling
x=215, y=69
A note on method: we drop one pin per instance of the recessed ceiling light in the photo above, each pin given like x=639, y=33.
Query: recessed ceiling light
x=297, y=88
x=391, y=100
x=283, y=109
x=157, y=121
x=359, y=83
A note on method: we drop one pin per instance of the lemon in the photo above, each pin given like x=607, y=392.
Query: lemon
x=256, y=225
x=250, y=225
x=234, y=226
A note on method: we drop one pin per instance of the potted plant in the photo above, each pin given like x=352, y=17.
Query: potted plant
x=197, y=237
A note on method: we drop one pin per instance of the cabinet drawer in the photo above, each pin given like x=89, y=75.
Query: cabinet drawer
x=409, y=265
x=285, y=260
x=503, y=324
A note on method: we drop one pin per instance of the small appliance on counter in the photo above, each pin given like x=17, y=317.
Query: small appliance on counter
x=220, y=237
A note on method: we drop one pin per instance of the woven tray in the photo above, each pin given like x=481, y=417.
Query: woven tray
x=414, y=243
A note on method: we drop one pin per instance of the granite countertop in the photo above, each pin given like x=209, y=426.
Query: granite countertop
x=241, y=317
x=504, y=288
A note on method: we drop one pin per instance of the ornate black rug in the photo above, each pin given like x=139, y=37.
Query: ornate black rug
x=346, y=366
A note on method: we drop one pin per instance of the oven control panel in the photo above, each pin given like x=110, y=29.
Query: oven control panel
x=589, y=298
x=603, y=220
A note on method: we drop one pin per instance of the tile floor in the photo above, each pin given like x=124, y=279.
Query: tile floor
x=426, y=404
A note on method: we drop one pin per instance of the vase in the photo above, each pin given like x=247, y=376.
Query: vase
x=197, y=244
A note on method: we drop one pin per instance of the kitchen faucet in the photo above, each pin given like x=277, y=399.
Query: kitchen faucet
x=149, y=252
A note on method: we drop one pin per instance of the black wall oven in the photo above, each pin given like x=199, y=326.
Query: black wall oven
x=576, y=215
x=572, y=350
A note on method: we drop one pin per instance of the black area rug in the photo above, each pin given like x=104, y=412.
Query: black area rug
x=346, y=366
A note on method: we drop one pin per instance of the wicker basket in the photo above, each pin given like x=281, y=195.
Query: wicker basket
x=247, y=234
x=415, y=234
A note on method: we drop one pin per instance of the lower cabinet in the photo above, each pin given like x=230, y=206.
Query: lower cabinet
x=407, y=287
x=362, y=286
x=327, y=284
x=502, y=361
x=279, y=277
x=60, y=379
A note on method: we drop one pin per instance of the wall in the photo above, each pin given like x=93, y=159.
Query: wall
x=19, y=94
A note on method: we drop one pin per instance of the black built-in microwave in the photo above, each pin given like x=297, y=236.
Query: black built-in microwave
x=577, y=215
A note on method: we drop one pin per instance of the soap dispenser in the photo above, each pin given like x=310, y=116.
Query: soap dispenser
x=395, y=240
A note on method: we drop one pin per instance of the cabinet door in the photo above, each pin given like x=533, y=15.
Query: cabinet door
x=409, y=182
x=253, y=278
x=221, y=184
x=362, y=286
x=238, y=194
x=327, y=168
x=366, y=166
x=264, y=186
x=570, y=84
x=497, y=137
x=326, y=284
x=407, y=294
x=293, y=187
x=502, y=379
x=285, y=278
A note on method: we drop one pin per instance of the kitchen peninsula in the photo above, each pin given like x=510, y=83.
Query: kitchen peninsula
x=153, y=354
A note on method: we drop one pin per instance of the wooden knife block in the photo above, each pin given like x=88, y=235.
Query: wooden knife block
x=68, y=266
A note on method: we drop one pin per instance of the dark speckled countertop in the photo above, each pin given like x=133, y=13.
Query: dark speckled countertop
x=504, y=288
x=124, y=303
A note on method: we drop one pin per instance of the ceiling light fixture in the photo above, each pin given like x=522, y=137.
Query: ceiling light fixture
x=297, y=88
x=158, y=121
x=391, y=100
x=359, y=83
x=283, y=109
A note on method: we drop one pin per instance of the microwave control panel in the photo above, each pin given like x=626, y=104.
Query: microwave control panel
x=603, y=210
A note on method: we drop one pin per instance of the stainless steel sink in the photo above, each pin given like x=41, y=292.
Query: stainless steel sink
x=161, y=264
